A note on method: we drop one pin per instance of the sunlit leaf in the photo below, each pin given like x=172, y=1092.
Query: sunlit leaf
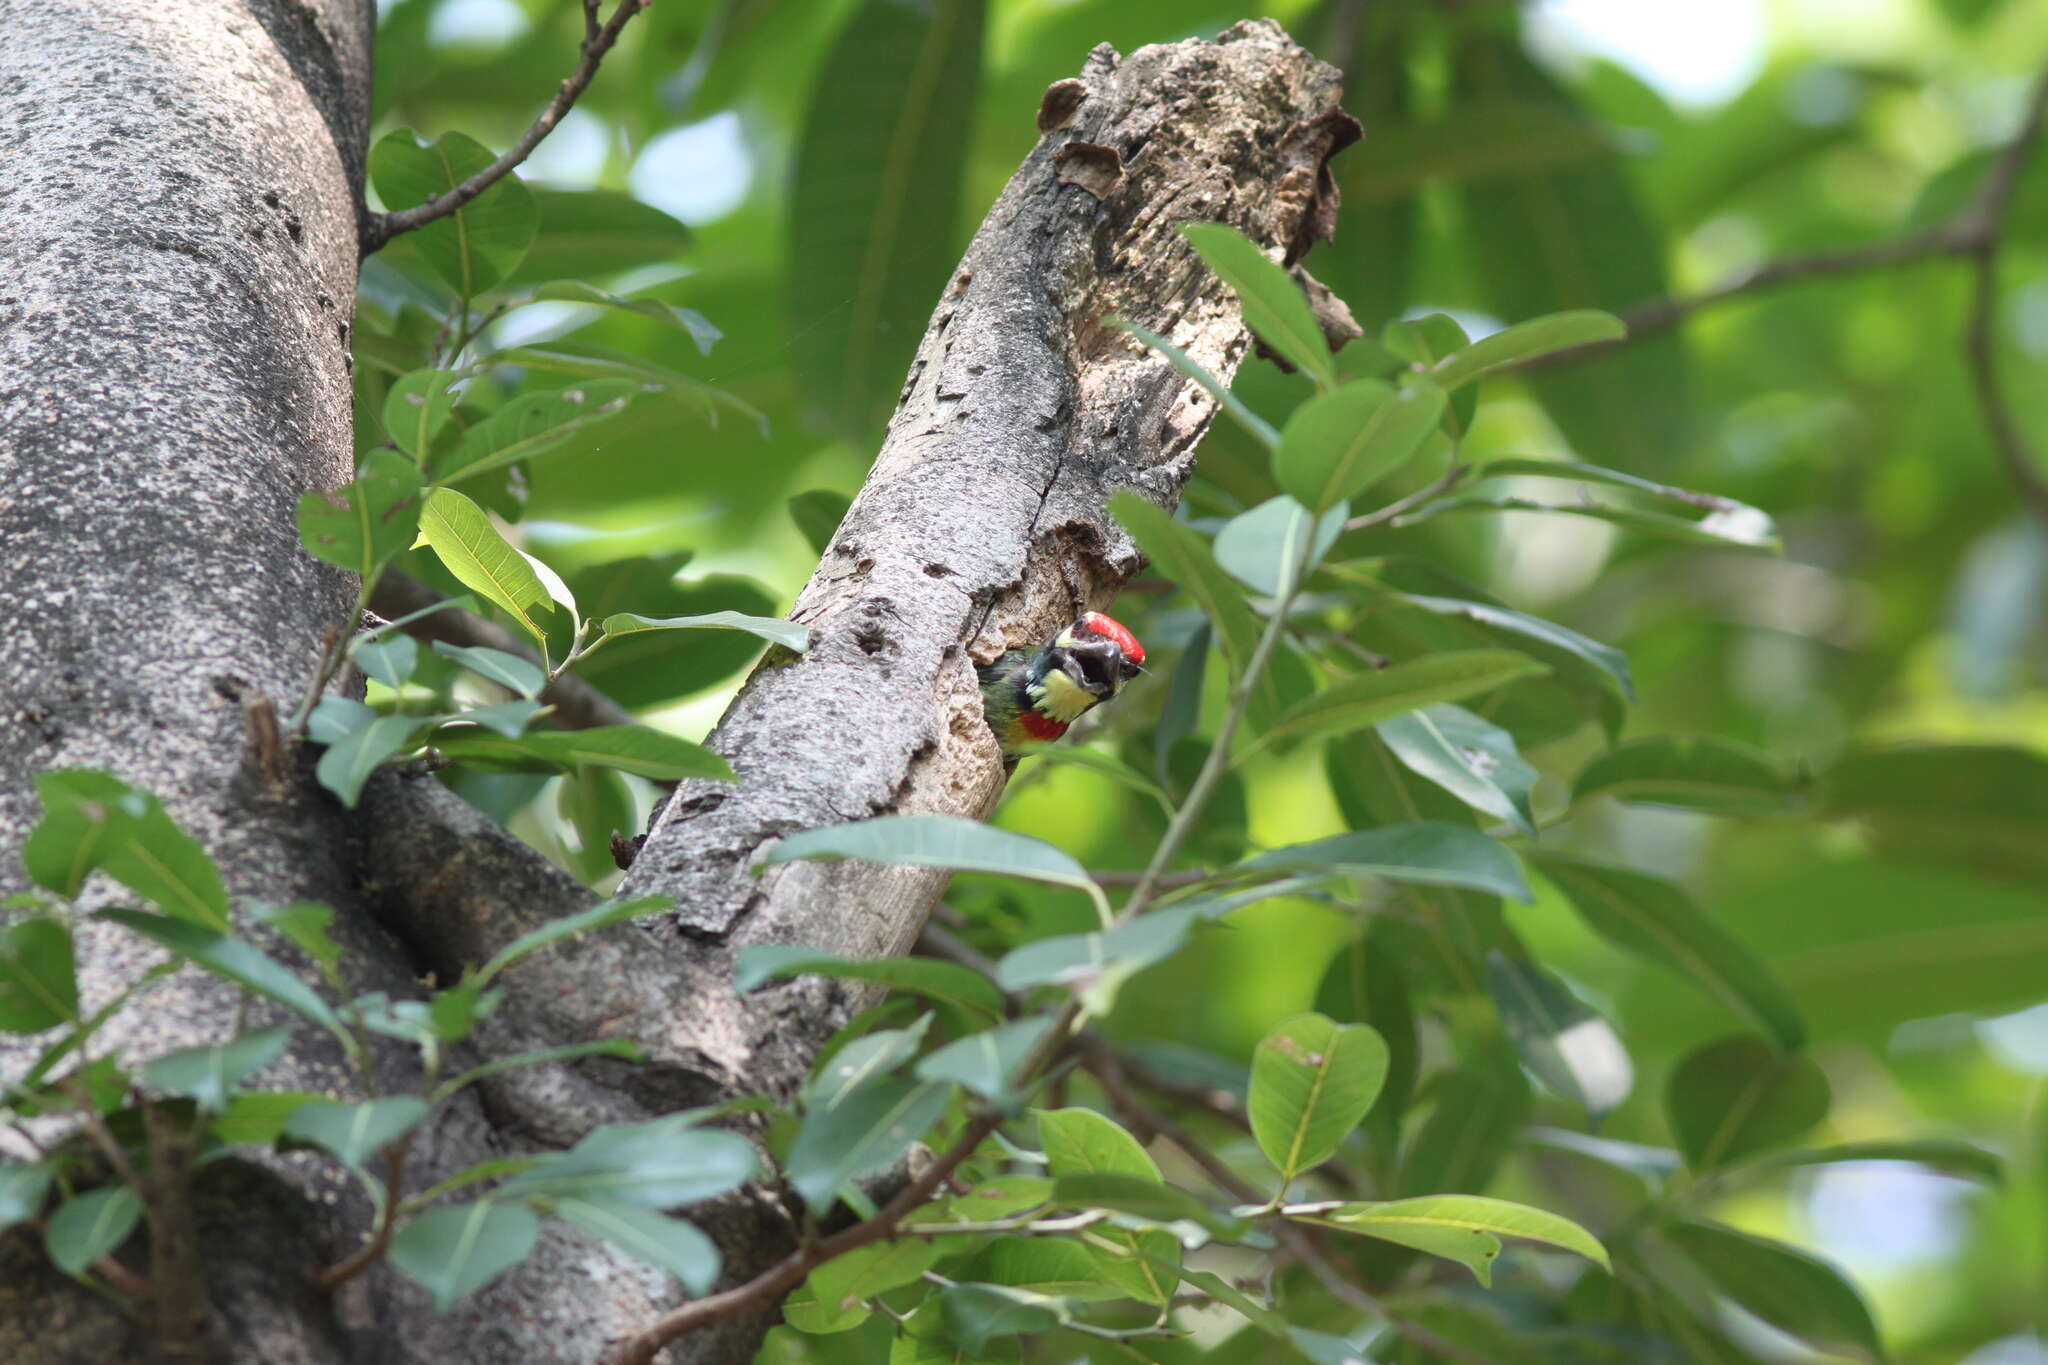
x=1273, y=303
x=1313, y=1080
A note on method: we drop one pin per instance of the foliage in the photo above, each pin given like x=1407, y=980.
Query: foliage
x=1555, y=853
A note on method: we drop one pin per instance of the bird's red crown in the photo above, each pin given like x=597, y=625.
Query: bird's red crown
x=1115, y=632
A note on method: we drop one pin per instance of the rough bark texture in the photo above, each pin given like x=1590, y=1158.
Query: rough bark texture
x=178, y=230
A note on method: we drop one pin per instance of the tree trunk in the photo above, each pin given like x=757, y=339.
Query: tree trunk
x=178, y=240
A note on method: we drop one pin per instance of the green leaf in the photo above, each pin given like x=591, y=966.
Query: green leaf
x=1470, y=758
x=864, y=1059
x=935, y=841
x=946, y=982
x=365, y=522
x=817, y=513
x=876, y=200
x=1274, y=305
x=355, y=1132
x=22, y=1191
x=532, y=424
x=687, y=320
x=660, y=1164
x=455, y=1251
x=1427, y=852
x=349, y=761
x=1179, y=552
x=1400, y=1219
x=1365, y=699
x=669, y=1244
x=1655, y=919
x=773, y=629
x=833, y=1298
x=209, y=1074
x=257, y=1117
x=1261, y=430
x=1096, y=964
x=1525, y=341
x=1690, y=772
x=506, y=719
x=232, y=959
x=1554, y=643
x=977, y=1314
x=1271, y=547
x=478, y=244
x=1083, y=1142
x=582, y=922
x=1780, y=1284
x=1340, y=443
x=1422, y=342
x=336, y=718
x=461, y=534
x=986, y=1062
x=1576, y=472
x=90, y=1226
x=633, y=749
x=38, y=977
x=93, y=820
x=1570, y=1048
x=1313, y=1080
x=417, y=407
x=389, y=660
x=1964, y=1160
x=864, y=1128
x=507, y=670
x=597, y=234
x=1733, y=1098
x=1046, y=1265
x=1747, y=529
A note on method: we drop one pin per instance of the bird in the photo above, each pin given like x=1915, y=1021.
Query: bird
x=1033, y=695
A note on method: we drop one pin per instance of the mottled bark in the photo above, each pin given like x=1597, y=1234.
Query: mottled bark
x=178, y=233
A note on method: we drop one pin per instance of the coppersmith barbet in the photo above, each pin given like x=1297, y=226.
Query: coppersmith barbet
x=1035, y=694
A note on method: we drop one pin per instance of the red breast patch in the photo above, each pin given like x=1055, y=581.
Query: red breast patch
x=1040, y=726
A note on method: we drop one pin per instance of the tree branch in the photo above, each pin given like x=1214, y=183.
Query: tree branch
x=771, y=1284
x=597, y=41
x=1974, y=234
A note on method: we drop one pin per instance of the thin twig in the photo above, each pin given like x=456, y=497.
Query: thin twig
x=1971, y=232
x=372, y=1251
x=1444, y=483
x=597, y=41
x=1299, y=1241
x=1987, y=217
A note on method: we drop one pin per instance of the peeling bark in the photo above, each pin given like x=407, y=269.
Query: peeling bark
x=178, y=232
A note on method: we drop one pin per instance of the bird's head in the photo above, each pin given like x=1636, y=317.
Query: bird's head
x=1089, y=662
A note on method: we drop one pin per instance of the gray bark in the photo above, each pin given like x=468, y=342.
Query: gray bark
x=178, y=229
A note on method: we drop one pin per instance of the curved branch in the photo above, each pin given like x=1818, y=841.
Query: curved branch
x=598, y=39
